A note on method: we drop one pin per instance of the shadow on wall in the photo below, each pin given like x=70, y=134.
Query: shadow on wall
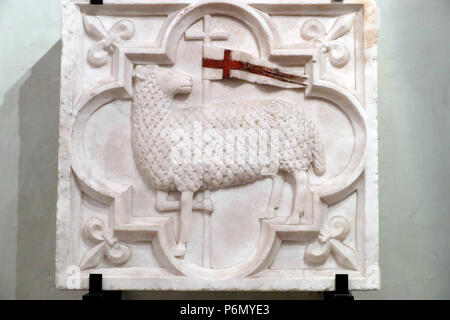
x=36, y=214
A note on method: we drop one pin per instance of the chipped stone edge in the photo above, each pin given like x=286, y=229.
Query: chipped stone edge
x=373, y=273
x=63, y=216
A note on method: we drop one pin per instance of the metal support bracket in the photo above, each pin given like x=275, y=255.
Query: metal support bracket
x=96, y=292
x=341, y=292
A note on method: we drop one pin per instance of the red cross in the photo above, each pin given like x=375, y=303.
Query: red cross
x=228, y=64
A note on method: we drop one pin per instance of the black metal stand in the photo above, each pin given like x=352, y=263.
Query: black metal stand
x=96, y=292
x=341, y=293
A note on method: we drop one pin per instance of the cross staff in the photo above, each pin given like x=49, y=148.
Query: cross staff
x=206, y=36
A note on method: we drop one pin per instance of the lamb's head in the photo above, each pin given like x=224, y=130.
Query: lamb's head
x=168, y=81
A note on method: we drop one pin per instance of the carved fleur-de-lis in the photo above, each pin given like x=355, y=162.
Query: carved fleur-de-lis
x=330, y=242
x=337, y=51
x=100, y=52
x=107, y=246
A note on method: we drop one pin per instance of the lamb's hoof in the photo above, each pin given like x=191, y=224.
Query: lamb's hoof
x=292, y=220
x=179, y=250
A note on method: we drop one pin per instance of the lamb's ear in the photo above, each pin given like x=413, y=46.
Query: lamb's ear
x=139, y=72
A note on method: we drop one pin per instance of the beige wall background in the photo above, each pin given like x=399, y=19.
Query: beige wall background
x=414, y=117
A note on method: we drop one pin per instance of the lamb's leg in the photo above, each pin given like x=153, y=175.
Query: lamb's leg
x=185, y=222
x=275, y=196
x=203, y=203
x=164, y=205
x=301, y=187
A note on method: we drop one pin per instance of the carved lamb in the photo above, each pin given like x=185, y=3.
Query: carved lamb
x=158, y=129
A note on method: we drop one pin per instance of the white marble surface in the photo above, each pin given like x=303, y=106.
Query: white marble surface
x=107, y=220
x=408, y=258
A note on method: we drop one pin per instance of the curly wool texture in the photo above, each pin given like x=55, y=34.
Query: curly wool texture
x=158, y=131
